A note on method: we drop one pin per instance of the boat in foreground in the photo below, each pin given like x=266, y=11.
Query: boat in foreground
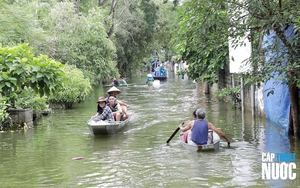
x=213, y=146
x=106, y=127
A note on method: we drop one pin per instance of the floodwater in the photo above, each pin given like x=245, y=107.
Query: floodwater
x=138, y=155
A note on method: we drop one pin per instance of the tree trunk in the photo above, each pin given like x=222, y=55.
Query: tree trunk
x=294, y=111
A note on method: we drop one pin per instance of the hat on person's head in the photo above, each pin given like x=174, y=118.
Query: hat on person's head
x=112, y=89
x=101, y=99
x=149, y=75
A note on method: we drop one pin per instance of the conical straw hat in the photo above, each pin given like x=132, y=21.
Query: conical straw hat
x=113, y=88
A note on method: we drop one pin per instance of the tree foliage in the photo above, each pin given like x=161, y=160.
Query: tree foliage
x=75, y=90
x=102, y=38
x=134, y=38
x=204, y=39
x=18, y=23
x=20, y=70
x=81, y=40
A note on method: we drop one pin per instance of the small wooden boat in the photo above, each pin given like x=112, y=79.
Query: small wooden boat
x=106, y=127
x=213, y=146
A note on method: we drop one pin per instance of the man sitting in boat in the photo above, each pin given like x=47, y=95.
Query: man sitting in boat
x=199, y=129
x=188, y=134
x=115, y=82
x=115, y=108
x=115, y=91
x=103, y=111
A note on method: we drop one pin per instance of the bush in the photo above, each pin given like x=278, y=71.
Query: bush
x=3, y=106
x=27, y=100
x=76, y=88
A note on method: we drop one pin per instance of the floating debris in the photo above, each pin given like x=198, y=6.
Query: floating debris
x=78, y=158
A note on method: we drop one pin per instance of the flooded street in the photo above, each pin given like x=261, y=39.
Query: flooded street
x=138, y=156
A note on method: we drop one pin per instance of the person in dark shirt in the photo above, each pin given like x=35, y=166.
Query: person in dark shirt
x=115, y=82
x=115, y=108
x=199, y=129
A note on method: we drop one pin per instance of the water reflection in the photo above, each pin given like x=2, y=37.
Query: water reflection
x=276, y=141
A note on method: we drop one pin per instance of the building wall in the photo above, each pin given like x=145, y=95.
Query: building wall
x=226, y=79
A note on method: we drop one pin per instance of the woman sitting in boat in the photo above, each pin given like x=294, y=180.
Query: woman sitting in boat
x=199, y=129
x=115, y=108
x=103, y=111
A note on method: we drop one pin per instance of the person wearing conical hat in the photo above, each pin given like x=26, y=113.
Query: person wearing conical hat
x=115, y=91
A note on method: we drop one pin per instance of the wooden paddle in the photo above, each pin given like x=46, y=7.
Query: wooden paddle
x=174, y=133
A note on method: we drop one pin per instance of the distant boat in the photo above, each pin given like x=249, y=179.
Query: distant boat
x=158, y=71
x=214, y=146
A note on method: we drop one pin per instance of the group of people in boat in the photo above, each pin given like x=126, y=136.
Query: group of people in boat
x=199, y=131
x=158, y=68
x=111, y=109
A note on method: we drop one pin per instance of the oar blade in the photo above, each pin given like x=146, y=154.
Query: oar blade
x=174, y=133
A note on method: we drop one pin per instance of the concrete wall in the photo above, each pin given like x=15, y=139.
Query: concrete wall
x=20, y=115
x=226, y=79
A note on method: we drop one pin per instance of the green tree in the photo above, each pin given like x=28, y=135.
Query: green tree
x=76, y=88
x=3, y=106
x=135, y=36
x=205, y=28
x=81, y=40
x=202, y=38
x=166, y=23
x=20, y=70
x=18, y=22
